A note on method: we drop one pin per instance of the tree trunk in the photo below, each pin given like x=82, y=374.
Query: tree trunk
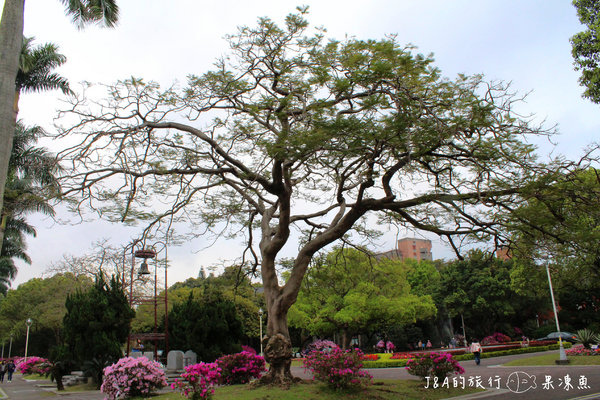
x=277, y=344
x=11, y=40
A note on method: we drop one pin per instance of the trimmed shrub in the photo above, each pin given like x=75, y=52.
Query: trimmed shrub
x=240, y=367
x=130, y=377
x=198, y=381
x=339, y=369
x=434, y=365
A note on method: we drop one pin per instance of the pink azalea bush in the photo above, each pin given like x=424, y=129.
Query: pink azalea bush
x=130, y=377
x=339, y=369
x=580, y=350
x=240, y=367
x=33, y=365
x=496, y=338
x=198, y=381
x=434, y=365
x=321, y=345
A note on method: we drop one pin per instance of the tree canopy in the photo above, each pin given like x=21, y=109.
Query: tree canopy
x=349, y=292
x=295, y=133
x=586, y=48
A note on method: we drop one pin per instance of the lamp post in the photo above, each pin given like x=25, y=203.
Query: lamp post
x=28, y=322
x=10, y=345
x=260, y=314
x=562, y=355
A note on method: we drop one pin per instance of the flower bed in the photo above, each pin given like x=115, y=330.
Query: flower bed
x=401, y=356
x=579, y=350
x=434, y=365
x=389, y=363
x=371, y=357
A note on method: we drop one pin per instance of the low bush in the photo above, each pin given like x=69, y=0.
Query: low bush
x=587, y=337
x=130, y=377
x=434, y=365
x=240, y=367
x=198, y=381
x=339, y=369
x=33, y=365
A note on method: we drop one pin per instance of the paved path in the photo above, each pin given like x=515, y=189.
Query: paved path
x=491, y=375
x=488, y=374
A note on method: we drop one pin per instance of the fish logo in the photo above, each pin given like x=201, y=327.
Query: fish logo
x=520, y=382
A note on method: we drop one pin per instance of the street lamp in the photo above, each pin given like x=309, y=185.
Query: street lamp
x=28, y=322
x=10, y=345
x=563, y=356
x=260, y=314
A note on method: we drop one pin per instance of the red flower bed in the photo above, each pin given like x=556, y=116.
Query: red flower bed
x=371, y=357
x=401, y=356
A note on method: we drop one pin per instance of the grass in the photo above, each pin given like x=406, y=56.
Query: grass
x=381, y=390
x=36, y=377
x=549, y=359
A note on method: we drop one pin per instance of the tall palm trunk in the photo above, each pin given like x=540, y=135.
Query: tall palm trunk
x=11, y=40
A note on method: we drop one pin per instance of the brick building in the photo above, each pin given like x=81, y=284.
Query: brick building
x=410, y=248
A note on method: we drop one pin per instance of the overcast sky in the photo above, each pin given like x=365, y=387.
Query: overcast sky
x=525, y=42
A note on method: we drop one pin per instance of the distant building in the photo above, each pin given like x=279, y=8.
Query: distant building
x=503, y=253
x=409, y=248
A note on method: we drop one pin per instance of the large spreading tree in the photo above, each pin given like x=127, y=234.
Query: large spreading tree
x=350, y=293
x=292, y=131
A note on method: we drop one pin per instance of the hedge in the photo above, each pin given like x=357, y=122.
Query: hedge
x=464, y=357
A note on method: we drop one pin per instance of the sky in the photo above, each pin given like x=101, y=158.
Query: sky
x=523, y=42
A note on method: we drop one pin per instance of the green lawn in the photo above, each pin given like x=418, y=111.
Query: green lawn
x=381, y=390
x=549, y=359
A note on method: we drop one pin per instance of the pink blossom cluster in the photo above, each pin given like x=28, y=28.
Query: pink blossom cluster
x=495, y=338
x=321, y=345
x=198, y=381
x=33, y=365
x=579, y=350
x=240, y=367
x=130, y=377
x=339, y=369
x=248, y=349
x=434, y=365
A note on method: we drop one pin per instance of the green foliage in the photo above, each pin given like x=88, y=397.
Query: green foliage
x=210, y=328
x=42, y=300
x=97, y=322
x=587, y=337
x=348, y=291
x=479, y=288
x=586, y=48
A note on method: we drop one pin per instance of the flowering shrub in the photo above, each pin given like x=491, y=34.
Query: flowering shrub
x=401, y=356
x=248, y=349
x=339, y=369
x=33, y=365
x=130, y=377
x=240, y=367
x=580, y=350
x=198, y=381
x=496, y=338
x=321, y=345
x=434, y=365
x=370, y=357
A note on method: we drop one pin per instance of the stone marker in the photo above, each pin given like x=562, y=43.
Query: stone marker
x=189, y=358
x=175, y=360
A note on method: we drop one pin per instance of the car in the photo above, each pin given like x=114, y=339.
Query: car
x=566, y=336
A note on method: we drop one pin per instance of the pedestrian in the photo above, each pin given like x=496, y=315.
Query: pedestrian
x=420, y=345
x=429, y=345
x=2, y=371
x=452, y=343
x=476, y=350
x=10, y=368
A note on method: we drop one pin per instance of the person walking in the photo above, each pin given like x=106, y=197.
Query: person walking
x=476, y=350
x=2, y=371
x=10, y=368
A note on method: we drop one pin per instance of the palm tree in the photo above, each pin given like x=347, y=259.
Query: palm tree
x=27, y=162
x=31, y=183
x=11, y=40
